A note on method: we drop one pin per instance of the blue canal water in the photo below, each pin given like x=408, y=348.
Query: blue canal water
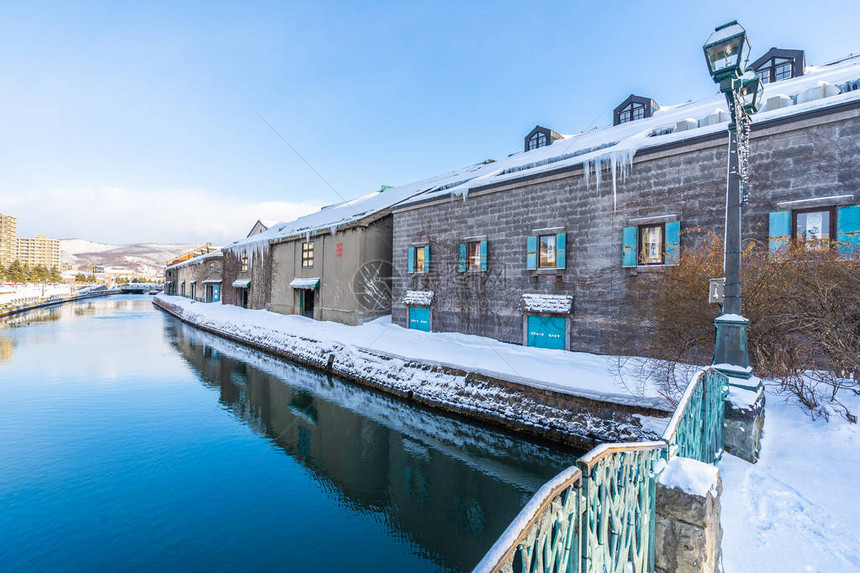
x=132, y=442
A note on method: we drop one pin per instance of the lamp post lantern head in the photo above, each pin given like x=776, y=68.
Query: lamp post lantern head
x=751, y=91
x=726, y=51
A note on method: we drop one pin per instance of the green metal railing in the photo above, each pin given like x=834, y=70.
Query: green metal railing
x=696, y=429
x=598, y=516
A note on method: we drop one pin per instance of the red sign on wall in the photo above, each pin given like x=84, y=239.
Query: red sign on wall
x=339, y=250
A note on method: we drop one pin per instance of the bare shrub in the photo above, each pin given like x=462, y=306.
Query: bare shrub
x=804, y=308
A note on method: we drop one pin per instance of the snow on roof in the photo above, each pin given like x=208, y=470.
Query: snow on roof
x=605, y=152
x=608, y=152
x=418, y=297
x=724, y=32
x=342, y=214
x=305, y=283
x=551, y=303
x=197, y=259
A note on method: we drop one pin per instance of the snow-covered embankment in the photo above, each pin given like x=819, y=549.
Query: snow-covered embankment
x=578, y=416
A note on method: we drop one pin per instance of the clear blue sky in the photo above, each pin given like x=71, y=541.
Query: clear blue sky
x=137, y=122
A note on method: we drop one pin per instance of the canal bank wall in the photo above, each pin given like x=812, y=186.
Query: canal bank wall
x=517, y=404
x=11, y=310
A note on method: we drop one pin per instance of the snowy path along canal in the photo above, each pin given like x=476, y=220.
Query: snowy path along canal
x=132, y=441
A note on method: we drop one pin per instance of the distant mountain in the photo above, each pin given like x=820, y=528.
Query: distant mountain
x=147, y=258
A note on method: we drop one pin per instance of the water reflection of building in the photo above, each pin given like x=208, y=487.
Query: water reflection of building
x=445, y=485
x=6, y=350
x=49, y=314
x=94, y=307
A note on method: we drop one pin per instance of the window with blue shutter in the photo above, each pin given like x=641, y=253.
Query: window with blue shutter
x=546, y=251
x=419, y=259
x=484, y=255
x=779, y=232
x=560, y=250
x=848, y=231
x=473, y=256
x=628, y=247
x=673, y=242
x=531, y=252
x=461, y=257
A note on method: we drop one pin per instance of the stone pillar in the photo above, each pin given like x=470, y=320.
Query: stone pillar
x=687, y=528
x=744, y=419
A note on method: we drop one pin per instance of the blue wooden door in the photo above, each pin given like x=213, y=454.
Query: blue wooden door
x=216, y=293
x=419, y=318
x=546, y=331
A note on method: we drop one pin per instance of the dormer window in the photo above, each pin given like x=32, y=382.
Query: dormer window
x=777, y=69
x=778, y=64
x=631, y=112
x=540, y=137
x=633, y=108
x=537, y=140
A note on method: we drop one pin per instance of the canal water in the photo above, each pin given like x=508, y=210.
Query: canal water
x=132, y=442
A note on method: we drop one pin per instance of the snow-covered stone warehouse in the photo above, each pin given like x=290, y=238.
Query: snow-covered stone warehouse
x=543, y=247
x=198, y=277
x=334, y=264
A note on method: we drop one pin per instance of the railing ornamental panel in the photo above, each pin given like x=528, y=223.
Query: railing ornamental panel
x=545, y=536
x=618, y=514
x=598, y=516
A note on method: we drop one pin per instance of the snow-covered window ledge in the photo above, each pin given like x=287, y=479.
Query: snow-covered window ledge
x=548, y=272
x=633, y=271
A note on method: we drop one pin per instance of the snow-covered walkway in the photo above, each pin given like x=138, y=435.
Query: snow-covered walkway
x=577, y=373
x=798, y=508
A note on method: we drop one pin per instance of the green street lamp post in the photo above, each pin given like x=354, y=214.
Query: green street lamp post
x=726, y=52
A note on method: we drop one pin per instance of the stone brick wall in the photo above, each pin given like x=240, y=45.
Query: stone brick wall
x=200, y=271
x=815, y=156
x=260, y=273
x=688, y=533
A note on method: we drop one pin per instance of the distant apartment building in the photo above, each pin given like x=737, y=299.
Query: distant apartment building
x=38, y=250
x=8, y=239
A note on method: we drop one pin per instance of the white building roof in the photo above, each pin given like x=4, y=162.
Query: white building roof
x=196, y=260
x=346, y=213
x=603, y=153
x=607, y=153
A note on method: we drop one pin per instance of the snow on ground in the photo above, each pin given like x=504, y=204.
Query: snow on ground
x=354, y=352
x=798, y=508
x=9, y=293
x=576, y=373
